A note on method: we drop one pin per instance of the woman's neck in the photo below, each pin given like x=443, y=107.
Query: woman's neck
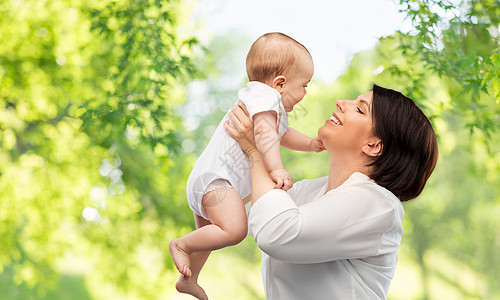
x=341, y=170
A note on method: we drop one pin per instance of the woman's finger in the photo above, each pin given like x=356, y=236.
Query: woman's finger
x=239, y=114
x=242, y=116
x=243, y=107
x=236, y=122
x=230, y=130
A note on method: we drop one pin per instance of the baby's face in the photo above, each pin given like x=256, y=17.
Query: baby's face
x=295, y=87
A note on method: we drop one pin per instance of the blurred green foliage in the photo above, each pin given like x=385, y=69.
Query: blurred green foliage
x=90, y=168
x=460, y=44
x=458, y=214
x=105, y=105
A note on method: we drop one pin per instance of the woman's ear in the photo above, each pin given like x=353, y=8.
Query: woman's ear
x=279, y=83
x=373, y=147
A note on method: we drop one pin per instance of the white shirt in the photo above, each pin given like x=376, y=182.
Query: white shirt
x=223, y=157
x=339, y=245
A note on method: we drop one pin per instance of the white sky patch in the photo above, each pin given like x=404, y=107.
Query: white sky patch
x=333, y=31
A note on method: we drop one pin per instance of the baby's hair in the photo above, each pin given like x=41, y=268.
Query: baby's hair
x=272, y=55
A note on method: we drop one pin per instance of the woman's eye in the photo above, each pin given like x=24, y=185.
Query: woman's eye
x=359, y=110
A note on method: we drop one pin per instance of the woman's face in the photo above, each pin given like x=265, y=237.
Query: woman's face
x=350, y=127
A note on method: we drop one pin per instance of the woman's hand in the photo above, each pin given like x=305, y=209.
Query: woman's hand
x=242, y=131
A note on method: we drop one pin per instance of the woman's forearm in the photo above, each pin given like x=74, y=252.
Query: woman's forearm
x=261, y=181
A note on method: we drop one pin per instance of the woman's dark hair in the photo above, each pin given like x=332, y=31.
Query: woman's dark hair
x=409, y=146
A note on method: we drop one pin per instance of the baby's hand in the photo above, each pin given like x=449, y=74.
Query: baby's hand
x=316, y=145
x=282, y=178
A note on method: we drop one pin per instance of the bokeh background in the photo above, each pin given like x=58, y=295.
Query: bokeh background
x=105, y=106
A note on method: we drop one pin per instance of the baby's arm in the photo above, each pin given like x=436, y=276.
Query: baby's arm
x=268, y=144
x=294, y=140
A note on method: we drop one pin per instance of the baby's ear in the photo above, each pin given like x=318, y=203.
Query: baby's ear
x=279, y=83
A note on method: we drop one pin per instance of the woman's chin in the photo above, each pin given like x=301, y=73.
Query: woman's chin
x=321, y=133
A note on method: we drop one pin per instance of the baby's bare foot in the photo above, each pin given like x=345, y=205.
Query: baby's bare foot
x=189, y=286
x=180, y=257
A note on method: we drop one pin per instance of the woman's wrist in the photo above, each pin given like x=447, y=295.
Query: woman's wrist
x=253, y=154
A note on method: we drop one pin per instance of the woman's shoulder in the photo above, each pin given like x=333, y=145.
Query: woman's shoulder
x=319, y=180
x=364, y=187
x=305, y=190
x=310, y=184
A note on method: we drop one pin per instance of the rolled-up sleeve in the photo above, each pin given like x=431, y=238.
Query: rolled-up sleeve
x=340, y=225
x=273, y=203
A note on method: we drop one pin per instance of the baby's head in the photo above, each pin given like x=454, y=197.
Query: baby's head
x=282, y=63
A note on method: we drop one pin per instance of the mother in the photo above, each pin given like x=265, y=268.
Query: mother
x=336, y=237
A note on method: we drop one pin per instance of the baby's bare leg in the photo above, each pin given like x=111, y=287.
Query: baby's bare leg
x=228, y=227
x=189, y=285
x=226, y=212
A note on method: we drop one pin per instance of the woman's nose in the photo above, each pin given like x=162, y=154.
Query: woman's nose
x=341, y=105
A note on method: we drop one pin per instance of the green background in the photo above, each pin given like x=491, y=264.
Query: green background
x=96, y=147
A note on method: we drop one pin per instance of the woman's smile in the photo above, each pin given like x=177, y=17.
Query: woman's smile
x=334, y=120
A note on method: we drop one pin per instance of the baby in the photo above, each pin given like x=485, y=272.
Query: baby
x=279, y=69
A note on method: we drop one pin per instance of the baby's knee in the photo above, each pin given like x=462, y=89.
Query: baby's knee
x=237, y=234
